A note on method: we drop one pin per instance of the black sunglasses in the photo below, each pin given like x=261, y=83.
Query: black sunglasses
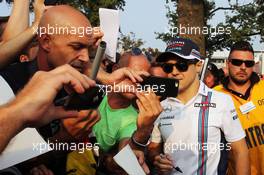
x=238, y=62
x=181, y=66
x=135, y=51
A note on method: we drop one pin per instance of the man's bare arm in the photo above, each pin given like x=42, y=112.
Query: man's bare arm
x=33, y=106
x=11, y=48
x=18, y=20
x=240, y=157
x=14, y=42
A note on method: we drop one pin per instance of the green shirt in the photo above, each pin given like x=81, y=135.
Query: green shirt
x=115, y=125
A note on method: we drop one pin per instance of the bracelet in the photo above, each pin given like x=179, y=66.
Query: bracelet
x=137, y=143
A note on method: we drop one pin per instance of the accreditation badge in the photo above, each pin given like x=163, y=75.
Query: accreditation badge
x=247, y=107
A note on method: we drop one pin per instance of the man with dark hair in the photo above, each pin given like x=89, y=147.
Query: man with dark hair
x=246, y=90
x=242, y=46
x=212, y=76
x=186, y=136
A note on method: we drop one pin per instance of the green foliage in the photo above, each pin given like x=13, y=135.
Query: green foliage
x=90, y=7
x=126, y=42
x=244, y=22
x=173, y=18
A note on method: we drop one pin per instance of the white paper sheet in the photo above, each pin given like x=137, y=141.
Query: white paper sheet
x=109, y=24
x=21, y=147
x=6, y=93
x=128, y=161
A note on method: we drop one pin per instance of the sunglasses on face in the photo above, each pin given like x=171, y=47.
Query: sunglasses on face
x=238, y=62
x=136, y=51
x=181, y=66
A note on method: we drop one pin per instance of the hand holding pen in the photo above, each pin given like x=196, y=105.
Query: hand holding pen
x=164, y=164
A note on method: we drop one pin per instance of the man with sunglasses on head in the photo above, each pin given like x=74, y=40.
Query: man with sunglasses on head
x=246, y=90
x=186, y=136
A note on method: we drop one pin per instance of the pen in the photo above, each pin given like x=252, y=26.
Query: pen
x=176, y=168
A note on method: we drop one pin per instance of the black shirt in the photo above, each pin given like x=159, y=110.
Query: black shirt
x=17, y=75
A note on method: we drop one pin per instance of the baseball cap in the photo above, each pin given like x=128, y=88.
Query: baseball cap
x=181, y=47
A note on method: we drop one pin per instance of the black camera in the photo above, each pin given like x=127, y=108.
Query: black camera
x=90, y=99
x=164, y=87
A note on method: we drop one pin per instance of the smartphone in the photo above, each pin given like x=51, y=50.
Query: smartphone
x=164, y=87
x=50, y=2
x=90, y=99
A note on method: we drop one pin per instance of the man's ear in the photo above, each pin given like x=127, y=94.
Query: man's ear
x=199, y=66
x=45, y=42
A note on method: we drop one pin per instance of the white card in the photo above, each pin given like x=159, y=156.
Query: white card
x=6, y=93
x=128, y=161
x=247, y=107
x=109, y=24
x=21, y=147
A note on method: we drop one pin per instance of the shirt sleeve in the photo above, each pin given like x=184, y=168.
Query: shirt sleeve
x=231, y=125
x=156, y=135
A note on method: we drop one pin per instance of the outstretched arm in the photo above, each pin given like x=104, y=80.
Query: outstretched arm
x=18, y=20
x=33, y=107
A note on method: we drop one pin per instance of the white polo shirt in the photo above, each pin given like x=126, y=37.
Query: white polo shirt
x=191, y=133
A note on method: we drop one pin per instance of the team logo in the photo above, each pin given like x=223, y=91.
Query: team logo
x=168, y=109
x=200, y=105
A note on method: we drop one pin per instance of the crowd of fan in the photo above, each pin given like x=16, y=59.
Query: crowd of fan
x=40, y=69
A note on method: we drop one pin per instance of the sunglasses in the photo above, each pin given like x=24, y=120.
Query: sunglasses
x=135, y=51
x=237, y=62
x=181, y=66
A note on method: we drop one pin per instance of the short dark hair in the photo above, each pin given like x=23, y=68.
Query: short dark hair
x=243, y=46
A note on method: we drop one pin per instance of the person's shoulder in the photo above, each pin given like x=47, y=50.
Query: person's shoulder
x=219, y=94
x=219, y=87
x=217, y=91
x=167, y=101
x=260, y=83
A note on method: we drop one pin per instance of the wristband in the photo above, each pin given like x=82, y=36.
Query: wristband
x=137, y=143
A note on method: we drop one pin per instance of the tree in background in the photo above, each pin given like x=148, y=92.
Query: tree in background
x=89, y=7
x=246, y=22
x=127, y=42
x=194, y=9
x=243, y=22
x=151, y=53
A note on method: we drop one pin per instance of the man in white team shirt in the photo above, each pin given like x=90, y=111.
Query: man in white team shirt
x=186, y=136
